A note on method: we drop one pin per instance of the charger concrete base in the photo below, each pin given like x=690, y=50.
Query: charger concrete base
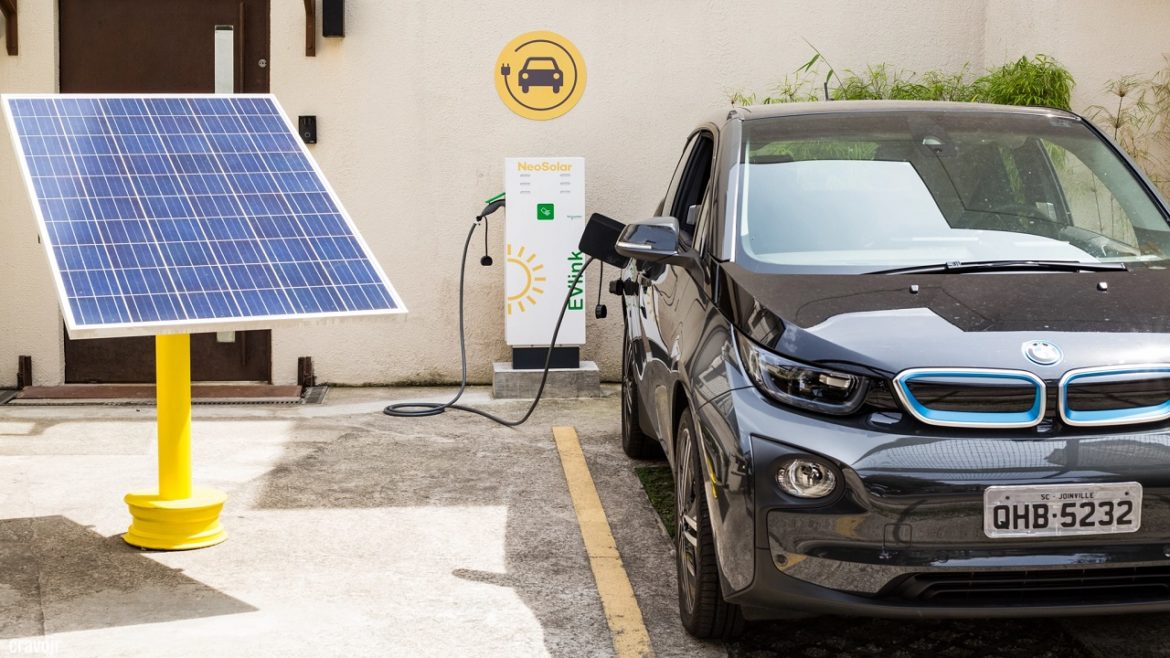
x=583, y=382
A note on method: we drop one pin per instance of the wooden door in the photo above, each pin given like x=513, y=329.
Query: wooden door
x=154, y=46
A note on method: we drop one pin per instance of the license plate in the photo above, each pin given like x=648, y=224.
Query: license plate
x=1062, y=510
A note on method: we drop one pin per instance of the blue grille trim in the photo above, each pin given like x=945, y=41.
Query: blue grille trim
x=1111, y=416
x=1029, y=418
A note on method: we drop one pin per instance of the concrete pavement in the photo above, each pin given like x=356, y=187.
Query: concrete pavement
x=350, y=533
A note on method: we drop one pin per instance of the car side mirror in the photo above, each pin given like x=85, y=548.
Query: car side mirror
x=653, y=240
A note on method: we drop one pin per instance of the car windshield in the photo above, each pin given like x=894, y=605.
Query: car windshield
x=880, y=190
x=546, y=63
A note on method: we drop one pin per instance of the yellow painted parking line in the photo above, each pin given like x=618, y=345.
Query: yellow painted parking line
x=613, y=584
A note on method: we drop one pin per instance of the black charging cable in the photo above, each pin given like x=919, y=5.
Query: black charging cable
x=421, y=409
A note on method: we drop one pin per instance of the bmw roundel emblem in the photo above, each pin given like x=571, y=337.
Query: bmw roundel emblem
x=1042, y=352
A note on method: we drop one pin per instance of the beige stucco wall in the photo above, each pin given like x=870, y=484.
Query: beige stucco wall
x=30, y=322
x=1097, y=40
x=413, y=137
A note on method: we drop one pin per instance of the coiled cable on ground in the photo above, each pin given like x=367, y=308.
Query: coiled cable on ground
x=422, y=409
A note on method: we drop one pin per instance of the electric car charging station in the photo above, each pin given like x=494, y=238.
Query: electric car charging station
x=546, y=216
x=831, y=317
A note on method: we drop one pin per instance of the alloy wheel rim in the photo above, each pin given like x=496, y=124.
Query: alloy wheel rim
x=628, y=392
x=688, y=524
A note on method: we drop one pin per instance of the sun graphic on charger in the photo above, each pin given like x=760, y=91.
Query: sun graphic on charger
x=533, y=281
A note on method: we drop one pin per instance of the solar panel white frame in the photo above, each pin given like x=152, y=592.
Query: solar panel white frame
x=79, y=330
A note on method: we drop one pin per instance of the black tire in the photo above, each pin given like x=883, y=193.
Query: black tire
x=524, y=88
x=701, y=607
x=556, y=89
x=635, y=443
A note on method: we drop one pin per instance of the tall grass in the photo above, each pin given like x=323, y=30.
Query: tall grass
x=1037, y=81
x=1137, y=117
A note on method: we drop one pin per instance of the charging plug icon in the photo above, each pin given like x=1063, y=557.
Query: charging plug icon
x=505, y=70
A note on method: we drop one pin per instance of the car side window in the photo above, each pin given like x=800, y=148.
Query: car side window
x=695, y=172
x=677, y=178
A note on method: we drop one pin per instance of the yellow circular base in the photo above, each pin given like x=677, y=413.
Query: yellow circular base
x=175, y=525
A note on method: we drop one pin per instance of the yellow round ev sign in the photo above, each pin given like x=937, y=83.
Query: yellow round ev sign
x=540, y=75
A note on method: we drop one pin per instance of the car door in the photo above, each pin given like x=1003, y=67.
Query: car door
x=668, y=293
x=639, y=326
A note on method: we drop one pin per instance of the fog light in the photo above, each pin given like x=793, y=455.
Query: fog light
x=805, y=478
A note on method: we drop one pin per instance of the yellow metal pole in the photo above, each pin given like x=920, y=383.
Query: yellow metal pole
x=173, y=365
x=176, y=516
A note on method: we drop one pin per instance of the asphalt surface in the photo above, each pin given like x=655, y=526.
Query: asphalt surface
x=833, y=637
x=840, y=637
x=351, y=533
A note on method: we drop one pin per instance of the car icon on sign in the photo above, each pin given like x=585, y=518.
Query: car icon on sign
x=541, y=72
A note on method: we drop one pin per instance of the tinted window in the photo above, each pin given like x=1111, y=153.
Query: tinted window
x=696, y=175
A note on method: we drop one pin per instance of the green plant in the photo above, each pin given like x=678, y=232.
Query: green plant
x=940, y=86
x=659, y=485
x=795, y=87
x=792, y=89
x=1039, y=81
x=1137, y=117
x=1129, y=119
x=1160, y=127
x=878, y=82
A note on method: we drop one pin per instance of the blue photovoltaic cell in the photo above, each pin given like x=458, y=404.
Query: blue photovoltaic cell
x=197, y=209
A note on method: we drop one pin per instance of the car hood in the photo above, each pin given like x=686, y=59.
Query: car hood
x=878, y=322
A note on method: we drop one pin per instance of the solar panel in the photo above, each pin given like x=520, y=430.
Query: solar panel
x=168, y=213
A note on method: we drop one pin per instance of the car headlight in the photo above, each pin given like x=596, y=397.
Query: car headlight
x=800, y=385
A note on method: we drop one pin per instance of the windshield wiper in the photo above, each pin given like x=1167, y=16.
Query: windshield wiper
x=961, y=266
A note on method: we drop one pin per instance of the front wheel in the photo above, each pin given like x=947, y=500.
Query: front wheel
x=701, y=606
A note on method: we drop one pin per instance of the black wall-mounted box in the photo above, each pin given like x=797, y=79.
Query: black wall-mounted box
x=307, y=128
x=333, y=18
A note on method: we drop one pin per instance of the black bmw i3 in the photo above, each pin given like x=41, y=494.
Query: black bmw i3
x=905, y=360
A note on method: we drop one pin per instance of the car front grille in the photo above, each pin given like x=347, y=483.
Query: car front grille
x=972, y=397
x=1115, y=395
x=1064, y=586
x=959, y=396
x=990, y=398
